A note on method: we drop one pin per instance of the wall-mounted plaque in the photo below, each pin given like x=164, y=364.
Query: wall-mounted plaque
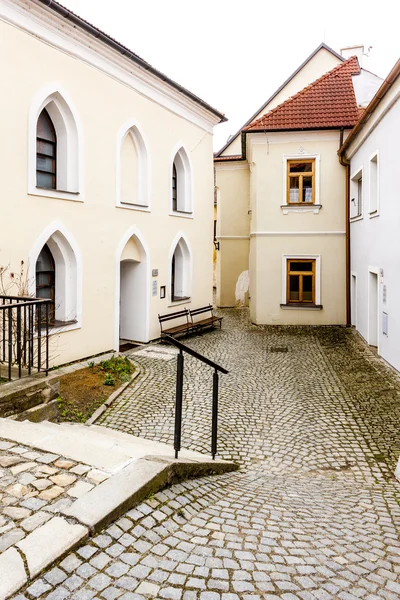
x=154, y=289
x=154, y=273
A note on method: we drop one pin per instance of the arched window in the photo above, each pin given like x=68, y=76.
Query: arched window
x=55, y=148
x=181, y=183
x=46, y=277
x=180, y=272
x=133, y=188
x=56, y=274
x=46, y=152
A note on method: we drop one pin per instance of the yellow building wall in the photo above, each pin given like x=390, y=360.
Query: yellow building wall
x=233, y=230
x=103, y=105
x=275, y=234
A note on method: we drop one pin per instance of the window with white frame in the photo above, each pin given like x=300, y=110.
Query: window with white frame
x=300, y=181
x=54, y=148
x=356, y=195
x=373, y=185
x=301, y=281
x=56, y=279
x=180, y=272
x=133, y=170
x=181, y=184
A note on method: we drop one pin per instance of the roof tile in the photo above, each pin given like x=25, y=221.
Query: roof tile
x=328, y=102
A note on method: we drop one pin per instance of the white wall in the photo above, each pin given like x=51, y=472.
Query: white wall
x=375, y=239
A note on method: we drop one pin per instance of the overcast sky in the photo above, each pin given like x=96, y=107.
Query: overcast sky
x=234, y=54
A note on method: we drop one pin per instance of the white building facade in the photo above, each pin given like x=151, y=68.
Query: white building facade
x=107, y=195
x=374, y=207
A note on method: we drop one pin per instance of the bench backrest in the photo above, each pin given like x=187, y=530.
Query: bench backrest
x=200, y=311
x=179, y=314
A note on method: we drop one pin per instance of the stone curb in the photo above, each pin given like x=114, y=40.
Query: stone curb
x=99, y=411
x=148, y=475
x=92, y=512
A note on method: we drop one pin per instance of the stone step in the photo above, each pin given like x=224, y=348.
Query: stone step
x=96, y=446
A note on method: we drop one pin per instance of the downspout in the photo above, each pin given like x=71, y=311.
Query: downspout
x=345, y=163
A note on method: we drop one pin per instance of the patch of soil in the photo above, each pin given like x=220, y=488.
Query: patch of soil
x=83, y=391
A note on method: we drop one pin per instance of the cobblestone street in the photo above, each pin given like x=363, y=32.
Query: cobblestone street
x=313, y=418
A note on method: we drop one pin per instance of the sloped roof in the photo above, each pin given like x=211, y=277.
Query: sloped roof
x=280, y=88
x=329, y=102
x=367, y=112
x=76, y=20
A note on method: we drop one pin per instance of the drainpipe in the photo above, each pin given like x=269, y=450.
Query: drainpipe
x=346, y=164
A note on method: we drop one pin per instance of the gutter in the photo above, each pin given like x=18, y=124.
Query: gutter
x=346, y=164
x=124, y=51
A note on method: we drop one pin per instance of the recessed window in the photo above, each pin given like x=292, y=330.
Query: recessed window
x=46, y=277
x=301, y=181
x=356, y=195
x=300, y=281
x=181, y=184
x=180, y=272
x=373, y=185
x=46, y=152
x=174, y=188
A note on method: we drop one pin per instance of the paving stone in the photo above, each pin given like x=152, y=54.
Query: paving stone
x=148, y=589
x=64, y=479
x=51, y=493
x=38, y=588
x=55, y=576
x=14, y=512
x=35, y=520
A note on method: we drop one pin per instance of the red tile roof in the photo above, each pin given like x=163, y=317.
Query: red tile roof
x=328, y=102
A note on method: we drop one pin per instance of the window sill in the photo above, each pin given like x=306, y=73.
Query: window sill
x=301, y=306
x=359, y=218
x=304, y=207
x=139, y=207
x=60, y=327
x=374, y=214
x=181, y=213
x=177, y=302
x=57, y=194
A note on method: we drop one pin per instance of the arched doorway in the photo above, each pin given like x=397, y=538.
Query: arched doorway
x=133, y=292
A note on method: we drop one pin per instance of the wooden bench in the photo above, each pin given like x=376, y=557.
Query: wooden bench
x=207, y=322
x=185, y=327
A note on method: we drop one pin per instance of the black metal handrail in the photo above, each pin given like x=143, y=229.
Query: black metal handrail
x=179, y=394
x=24, y=333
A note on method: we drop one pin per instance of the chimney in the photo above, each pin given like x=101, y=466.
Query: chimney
x=353, y=51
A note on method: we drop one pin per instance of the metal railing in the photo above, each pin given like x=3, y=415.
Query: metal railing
x=179, y=394
x=24, y=336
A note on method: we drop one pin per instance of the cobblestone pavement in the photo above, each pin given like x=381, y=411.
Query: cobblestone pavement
x=313, y=417
x=35, y=485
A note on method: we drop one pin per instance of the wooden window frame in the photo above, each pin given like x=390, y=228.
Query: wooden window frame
x=300, y=175
x=300, y=301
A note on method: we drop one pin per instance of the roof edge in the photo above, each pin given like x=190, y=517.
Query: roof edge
x=109, y=41
x=280, y=88
x=380, y=94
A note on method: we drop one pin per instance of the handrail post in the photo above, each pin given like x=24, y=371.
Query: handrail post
x=178, y=403
x=214, y=423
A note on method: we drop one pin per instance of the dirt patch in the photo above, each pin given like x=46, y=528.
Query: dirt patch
x=83, y=391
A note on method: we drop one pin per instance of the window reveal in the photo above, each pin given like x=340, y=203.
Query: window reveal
x=301, y=182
